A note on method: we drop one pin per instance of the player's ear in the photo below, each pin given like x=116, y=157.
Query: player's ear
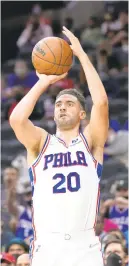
x=82, y=114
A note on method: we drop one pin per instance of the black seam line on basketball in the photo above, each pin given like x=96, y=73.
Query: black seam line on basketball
x=60, y=56
x=68, y=57
x=49, y=61
x=46, y=69
x=51, y=51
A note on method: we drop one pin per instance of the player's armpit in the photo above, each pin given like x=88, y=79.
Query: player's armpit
x=30, y=136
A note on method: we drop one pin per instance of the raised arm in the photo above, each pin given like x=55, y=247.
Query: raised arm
x=97, y=130
x=98, y=126
x=30, y=136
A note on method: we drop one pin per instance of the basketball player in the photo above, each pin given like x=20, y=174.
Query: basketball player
x=65, y=169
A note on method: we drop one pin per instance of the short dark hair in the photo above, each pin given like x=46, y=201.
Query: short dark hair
x=77, y=93
x=117, y=230
x=17, y=241
x=116, y=241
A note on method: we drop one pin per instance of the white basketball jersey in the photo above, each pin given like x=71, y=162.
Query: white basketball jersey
x=65, y=183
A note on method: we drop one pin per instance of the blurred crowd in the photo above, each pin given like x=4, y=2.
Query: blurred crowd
x=105, y=39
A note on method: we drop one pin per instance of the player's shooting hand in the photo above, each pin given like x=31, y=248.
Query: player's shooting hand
x=75, y=44
x=51, y=78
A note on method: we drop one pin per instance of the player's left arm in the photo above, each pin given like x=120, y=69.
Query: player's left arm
x=97, y=130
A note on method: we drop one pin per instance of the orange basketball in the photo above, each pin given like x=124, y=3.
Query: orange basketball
x=52, y=56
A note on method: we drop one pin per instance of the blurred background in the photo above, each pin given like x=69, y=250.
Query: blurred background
x=102, y=28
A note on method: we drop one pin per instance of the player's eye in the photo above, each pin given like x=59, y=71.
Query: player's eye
x=58, y=104
x=70, y=104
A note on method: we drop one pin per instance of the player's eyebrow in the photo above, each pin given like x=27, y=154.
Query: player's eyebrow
x=58, y=102
x=66, y=102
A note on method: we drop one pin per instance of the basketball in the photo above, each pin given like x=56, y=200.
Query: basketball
x=52, y=56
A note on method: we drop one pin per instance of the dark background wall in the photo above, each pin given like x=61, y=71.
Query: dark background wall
x=13, y=8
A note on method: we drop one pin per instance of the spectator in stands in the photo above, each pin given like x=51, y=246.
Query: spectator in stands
x=124, y=44
x=23, y=260
x=6, y=97
x=22, y=213
x=123, y=18
x=9, y=189
x=69, y=24
x=109, y=225
x=19, y=83
x=7, y=259
x=107, y=63
x=34, y=31
x=24, y=225
x=5, y=235
x=16, y=208
x=22, y=78
x=4, y=93
x=123, y=55
x=114, y=234
x=92, y=33
x=109, y=23
x=36, y=10
x=117, y=209
x=117, y=146
x=20, y=162
x=117, y=233
x=115, y=254
x=107, y=238
x=114, y=126
x=17, y=247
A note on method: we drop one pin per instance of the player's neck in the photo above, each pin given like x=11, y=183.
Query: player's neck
x=67, y=135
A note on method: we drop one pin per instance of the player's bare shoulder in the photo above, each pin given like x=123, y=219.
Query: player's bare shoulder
x=32, y=153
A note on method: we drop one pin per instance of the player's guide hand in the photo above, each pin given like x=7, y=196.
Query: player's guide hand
x=75, y=44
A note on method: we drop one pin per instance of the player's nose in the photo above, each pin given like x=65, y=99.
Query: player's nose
x=63, y=107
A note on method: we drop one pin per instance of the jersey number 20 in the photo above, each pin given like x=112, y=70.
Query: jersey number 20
x=67, y=181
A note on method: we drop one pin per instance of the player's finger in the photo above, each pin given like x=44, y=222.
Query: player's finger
x=68, y=31
x=64, y=32
x=64, y=75
x=68, y=36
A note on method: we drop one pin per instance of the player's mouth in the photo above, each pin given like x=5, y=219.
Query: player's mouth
x=63, y=115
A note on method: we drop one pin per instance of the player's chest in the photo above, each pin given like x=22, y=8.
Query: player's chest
x=58, y=156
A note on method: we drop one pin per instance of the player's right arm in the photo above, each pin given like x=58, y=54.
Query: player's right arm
x=30, y=136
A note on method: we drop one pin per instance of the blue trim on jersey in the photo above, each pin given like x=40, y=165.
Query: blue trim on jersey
x=40, y=154
x=31, y=247
x=99, y=170
x=84, y=138
x=31, y=179
x=61, y=140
